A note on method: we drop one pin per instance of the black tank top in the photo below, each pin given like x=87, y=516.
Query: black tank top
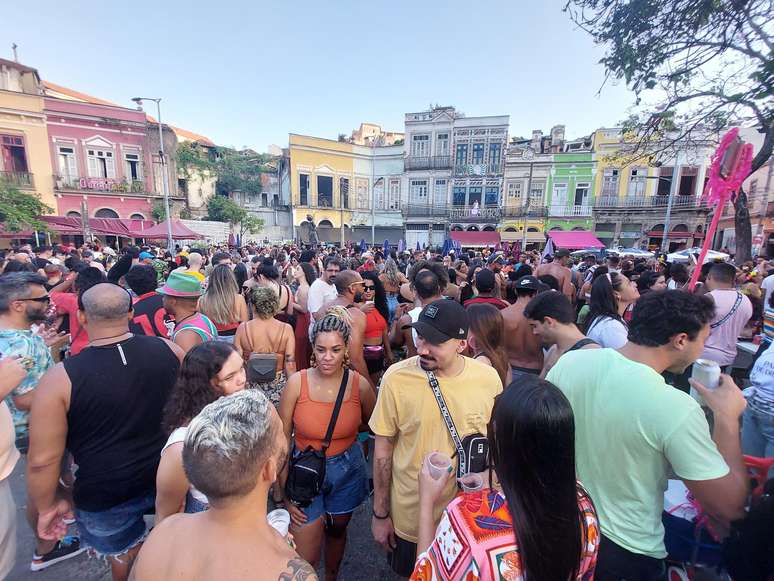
x=114, y=420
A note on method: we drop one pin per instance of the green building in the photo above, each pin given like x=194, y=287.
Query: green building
x=570, y=188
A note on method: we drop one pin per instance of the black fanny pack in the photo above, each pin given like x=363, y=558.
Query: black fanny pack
x=473, y=449
x=306, y=471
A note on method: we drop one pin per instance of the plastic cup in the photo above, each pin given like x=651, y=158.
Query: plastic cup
x=472, y=482
x=279, y=519
x=438, y=464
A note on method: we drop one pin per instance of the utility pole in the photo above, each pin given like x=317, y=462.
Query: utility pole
x=672, y=194
x=373, y=192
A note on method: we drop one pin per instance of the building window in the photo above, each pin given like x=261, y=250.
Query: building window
x=344, y=192
x=101, y=163
x=420, y=145
x=362, y=194
x=494, y=154
x=688, y=176
x=380, y=202
x=182, y=186
x=418, y=191
x=581, y=194
x=303, y=182
x=442, y=144
x=13, y=157
x=458, y=195
x=106, y=213
x=132, y=167
x=536, y=192
x=275, y=200
x=664, y=186
x=492, y=197
x=610, y=182
x=637, y=181
x=68, y=168
x=439, y=193
x=325, y=191
x=461, y=154
x=478, y=153
x=514, y=192
x=265, y=200
x=393, y=201
x=474, y=195
x=137, y=217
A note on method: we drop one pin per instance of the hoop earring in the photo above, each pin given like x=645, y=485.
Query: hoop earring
x=346, y=359
x=313, y=359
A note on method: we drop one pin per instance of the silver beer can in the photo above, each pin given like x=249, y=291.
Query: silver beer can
x=707, y=373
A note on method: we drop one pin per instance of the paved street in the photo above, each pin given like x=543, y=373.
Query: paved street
x=363, y=559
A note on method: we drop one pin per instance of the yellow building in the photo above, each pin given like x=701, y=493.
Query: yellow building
x=25, y=158
x=322, y=185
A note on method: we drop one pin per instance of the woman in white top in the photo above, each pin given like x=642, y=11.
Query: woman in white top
x=611, y=295
x=209, y=371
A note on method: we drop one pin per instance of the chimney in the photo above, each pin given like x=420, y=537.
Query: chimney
x=537, y=137
x=557, y=135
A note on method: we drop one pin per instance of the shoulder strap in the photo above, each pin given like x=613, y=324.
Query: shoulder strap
x=730, y=313
x=581, y=344
x=336, y=409
x=448, y=420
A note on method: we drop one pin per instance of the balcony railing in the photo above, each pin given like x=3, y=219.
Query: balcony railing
x=414, y=209
x=570, y=211
x=19, y=179
x=524, y=212
x=474, y=214
x=99, y=184
x=434, y=162
x=632, y=202
x=477, y=169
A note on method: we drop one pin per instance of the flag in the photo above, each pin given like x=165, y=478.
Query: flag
x=401, y=245
x=548, y=250
x=363, y=246
x=418, y=246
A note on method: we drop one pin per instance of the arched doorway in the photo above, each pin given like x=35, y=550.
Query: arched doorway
x=554, y=228
x=73, y=214
x=456, y=228
x=325, y=231
x=511, y=229
x=472, y=228
x=137, y=217
x=106, y=213
x=489, y=228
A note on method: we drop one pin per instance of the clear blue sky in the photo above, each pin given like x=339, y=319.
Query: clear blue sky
x=248, y=73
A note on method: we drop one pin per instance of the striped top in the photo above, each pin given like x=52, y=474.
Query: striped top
x=201, y=325
x=768, y=325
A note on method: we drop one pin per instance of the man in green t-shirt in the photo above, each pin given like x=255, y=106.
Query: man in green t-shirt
x=631, y=427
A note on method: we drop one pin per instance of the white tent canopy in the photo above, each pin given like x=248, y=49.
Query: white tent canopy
x=685, y=255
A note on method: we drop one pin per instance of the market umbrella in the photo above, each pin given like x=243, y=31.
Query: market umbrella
x=685, y=255
x=401, y=245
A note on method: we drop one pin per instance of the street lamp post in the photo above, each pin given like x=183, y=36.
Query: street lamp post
x=164, y=169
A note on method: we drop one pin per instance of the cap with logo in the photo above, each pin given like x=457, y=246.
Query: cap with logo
x=530, y=282
x=441, y=321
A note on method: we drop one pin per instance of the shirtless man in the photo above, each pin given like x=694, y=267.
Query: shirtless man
x=558, y=269
x=350, y=286
x=233, y=452
x=524, y=349
x=552, y=319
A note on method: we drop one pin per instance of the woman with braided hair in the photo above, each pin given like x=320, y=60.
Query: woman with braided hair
x=306, y=407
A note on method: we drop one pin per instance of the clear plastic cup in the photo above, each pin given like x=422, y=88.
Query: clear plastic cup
x=438, y=464
x=472, y=482
x=279, y=519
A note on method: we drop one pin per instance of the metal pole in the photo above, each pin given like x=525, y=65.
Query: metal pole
x=526, y=209
x=373, y=194
x=164, y=180
x=672, y=193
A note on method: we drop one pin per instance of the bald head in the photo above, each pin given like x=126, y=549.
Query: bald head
x=194, y=259
x=105, y=302
x=346, y=278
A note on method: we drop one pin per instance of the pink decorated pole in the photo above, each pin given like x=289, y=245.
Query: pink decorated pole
x=730, y=166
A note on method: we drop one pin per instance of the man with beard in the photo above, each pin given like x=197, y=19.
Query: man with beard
x=23, y=302
x=408, y=425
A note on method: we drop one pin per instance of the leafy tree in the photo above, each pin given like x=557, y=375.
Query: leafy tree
x=158, y=212
x=19, y=210
x=223, y=209
x=696, y=66
x=250, y=225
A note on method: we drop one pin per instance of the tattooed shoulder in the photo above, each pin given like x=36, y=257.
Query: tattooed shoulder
x=297, y=570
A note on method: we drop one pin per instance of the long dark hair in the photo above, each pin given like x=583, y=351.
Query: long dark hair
x=603, y=302
x=193, y=389
x=486, y=324
x=310, y=274
x=532, y=425
x=380, y=297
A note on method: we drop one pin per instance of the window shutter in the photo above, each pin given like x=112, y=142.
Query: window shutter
x=110, y=164
x=93, y=167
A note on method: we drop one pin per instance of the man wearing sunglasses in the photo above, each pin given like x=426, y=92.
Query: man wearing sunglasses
x=24, y=301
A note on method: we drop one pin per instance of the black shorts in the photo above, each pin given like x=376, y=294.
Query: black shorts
x=404, y=556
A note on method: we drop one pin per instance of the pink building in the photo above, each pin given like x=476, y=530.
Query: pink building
x=100, y=156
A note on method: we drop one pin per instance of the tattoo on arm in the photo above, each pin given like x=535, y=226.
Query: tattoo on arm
x=382, y=482
x=297, y=570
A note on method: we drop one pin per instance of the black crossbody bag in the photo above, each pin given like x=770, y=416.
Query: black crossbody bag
x=473, y=449
x=306, y=472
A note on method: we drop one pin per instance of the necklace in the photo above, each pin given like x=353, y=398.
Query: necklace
x=184, y=318
x=91, y=343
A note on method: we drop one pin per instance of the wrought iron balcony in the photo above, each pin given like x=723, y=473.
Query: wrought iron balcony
x=645, y=202
x=524, y=212
x=477, y=169
x=99, y=184
x=569, y=211
x=434, y=162
x=474, y=214
x=425, y=210
x=19, y=179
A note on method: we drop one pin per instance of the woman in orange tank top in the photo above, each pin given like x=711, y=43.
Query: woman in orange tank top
x=306, y=406
x=376, y=341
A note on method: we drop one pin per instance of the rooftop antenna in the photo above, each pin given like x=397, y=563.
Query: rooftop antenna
x=14, y=46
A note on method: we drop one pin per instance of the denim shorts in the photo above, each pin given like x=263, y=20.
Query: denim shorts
x=114, y=531
x=345, y=486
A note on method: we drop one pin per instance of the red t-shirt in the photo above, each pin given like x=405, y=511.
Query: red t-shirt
x=499, y=303
x=67, y=304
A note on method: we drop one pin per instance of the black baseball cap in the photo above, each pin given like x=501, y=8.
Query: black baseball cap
x=530, y=282
x=562, y=252
x=485, y=280
x=441, y=321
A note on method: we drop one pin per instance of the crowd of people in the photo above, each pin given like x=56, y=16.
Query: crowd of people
x=509, y=416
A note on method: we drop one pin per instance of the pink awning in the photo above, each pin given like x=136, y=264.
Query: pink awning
x=574, y=239
x=159, y=232
x=485, y=238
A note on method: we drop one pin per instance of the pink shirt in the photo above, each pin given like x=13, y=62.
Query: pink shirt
x=721, y=343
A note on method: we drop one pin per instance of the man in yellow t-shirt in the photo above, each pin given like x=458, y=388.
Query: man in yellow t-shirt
x=408, y=425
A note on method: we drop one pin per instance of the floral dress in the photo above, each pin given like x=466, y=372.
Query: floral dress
x=474, y=541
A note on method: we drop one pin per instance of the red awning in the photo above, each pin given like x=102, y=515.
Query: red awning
x=485, y=238
x=73, y=226
x=159, y=232
x=574, y=239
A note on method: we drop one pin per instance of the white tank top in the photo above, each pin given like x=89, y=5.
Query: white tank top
x=179, y=436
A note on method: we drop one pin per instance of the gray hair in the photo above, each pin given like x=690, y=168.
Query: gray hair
x=228, y=443
x=105, y=301
x=16, y=285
